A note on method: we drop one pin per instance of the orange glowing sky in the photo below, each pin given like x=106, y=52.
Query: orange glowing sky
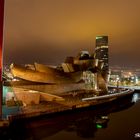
x=47, y=31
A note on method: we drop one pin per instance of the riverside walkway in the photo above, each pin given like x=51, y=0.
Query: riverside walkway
x=126, y=87
x=69, y=105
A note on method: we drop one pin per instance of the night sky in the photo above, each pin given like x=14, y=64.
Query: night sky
x=46, y=31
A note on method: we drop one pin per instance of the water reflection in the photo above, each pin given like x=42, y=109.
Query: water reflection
x=85, y=123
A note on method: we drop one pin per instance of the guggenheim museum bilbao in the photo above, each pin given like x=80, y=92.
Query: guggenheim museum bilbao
x=87, y=72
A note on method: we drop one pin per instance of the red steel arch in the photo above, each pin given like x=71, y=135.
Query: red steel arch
x=1, y=45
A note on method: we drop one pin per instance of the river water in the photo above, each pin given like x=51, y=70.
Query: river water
x=119, y=120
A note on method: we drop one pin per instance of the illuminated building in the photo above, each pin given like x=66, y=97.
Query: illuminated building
x=86, y=76
x=101, y=51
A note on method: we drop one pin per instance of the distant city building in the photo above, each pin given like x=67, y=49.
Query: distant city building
x=101, y=51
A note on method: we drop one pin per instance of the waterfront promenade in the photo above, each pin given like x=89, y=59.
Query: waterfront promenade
x=137, y=88
x=50, y=107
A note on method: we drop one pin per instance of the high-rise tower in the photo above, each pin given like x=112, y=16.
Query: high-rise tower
x=101, y=51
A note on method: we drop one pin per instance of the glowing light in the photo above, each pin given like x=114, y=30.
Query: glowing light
x=32, y=91
x=99, y=126
x=101, y=47
x=137, y=80
x=99, y=37
x=104, y=117
x=104, y=46
x=135, y=98
x=130, y=73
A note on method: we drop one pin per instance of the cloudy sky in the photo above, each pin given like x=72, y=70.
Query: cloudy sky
x=46, y=31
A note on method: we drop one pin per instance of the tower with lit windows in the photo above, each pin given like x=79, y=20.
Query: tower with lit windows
x=101, y=51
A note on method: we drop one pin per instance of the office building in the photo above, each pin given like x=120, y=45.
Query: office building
x=101, y=51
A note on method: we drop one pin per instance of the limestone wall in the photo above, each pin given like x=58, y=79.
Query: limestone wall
x=27, y=98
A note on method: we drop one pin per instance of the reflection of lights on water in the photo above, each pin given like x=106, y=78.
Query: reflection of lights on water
x=135, y=97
